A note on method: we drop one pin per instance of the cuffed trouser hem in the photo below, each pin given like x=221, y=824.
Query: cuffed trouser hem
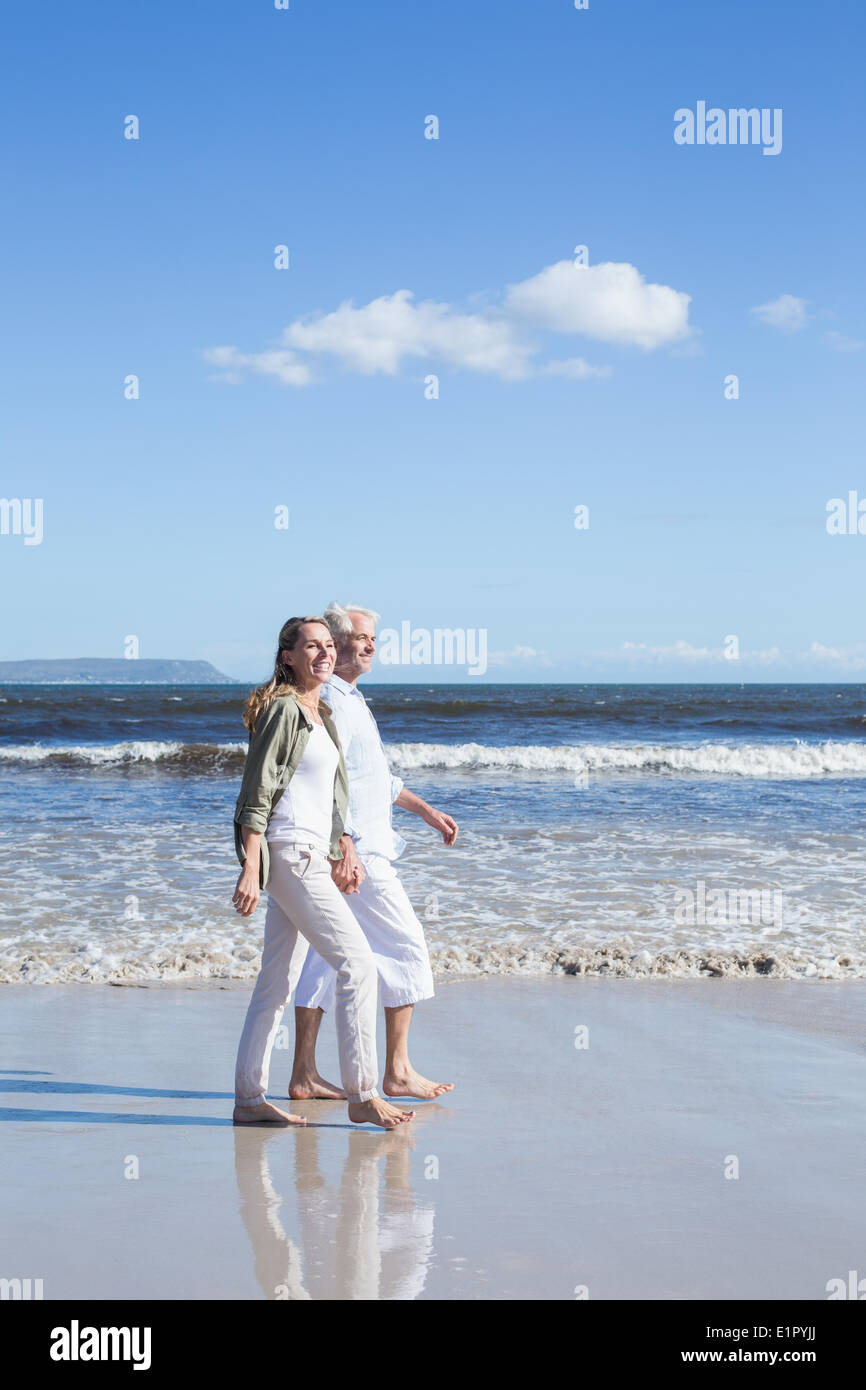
x=362, y=1096
x=250, y=1104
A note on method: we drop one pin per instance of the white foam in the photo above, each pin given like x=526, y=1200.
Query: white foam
x=760, y=760
x=766, y=760
x=107, y=754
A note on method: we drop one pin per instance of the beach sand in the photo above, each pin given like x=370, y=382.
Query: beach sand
x=550, y=1169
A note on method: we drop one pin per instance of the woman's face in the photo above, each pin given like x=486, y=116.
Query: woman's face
x=313, y=655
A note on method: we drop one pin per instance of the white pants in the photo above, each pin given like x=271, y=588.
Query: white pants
x=387, y=919
x=302, y=897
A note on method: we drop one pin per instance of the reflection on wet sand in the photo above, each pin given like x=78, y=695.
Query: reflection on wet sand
x=368, y=1237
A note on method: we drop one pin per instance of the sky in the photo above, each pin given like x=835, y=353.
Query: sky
x=551, y=305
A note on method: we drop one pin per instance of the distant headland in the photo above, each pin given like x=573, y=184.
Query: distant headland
x=98, y=670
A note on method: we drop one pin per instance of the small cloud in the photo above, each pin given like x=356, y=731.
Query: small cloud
x=519, y=654
x=285, y=366
x=840, y=342
x=574, y=367
x=610, y=302
x=848, y=658
x=686, y=652
x=378, y=337
x=787, y=313
x=680, y=650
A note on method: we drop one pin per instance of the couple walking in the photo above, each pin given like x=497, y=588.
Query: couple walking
x=313, y=826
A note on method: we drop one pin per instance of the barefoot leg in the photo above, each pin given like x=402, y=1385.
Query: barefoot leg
x=401, y=1078
x=306, y=1083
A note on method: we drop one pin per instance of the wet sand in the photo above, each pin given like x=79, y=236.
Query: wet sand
x=552, y=1171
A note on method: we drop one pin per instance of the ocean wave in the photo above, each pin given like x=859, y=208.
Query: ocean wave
x=763, y=760
x=144, y=752
x=599, y=961
x=757, y=760
x=211, y=962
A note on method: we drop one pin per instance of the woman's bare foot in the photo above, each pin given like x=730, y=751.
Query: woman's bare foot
x=378, y=1112
x=407, y=1082
x=314, y=1087
x=266, y=1114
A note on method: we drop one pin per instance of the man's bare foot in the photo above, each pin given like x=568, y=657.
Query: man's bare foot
x=266, y=1114
x=409, y=1083
x=378, y=1112
x=314, y=1087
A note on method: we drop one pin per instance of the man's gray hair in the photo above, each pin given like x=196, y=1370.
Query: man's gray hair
x=336, y=615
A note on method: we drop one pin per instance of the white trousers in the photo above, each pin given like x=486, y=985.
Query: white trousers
x=302, y=897
x=386, y=917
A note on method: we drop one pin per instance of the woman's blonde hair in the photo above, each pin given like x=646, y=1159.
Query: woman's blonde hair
x=282, y=682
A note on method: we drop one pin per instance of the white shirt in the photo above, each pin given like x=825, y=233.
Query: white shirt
x=372, y=789
x=304, y=812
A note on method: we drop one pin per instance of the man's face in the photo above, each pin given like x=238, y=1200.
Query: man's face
x=356, y=653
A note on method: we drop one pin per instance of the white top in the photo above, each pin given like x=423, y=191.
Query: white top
x=304, y=812
x=372, y=788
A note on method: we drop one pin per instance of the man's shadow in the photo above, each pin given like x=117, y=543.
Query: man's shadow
x=10, y=1083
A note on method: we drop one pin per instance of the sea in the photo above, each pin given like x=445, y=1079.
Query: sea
x=647, y=831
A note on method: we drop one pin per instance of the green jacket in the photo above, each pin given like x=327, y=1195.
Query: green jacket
x=275, y=748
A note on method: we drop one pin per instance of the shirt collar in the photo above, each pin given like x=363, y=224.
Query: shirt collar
x=344, y=687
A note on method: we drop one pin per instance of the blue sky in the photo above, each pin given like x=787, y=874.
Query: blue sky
x=306, y=127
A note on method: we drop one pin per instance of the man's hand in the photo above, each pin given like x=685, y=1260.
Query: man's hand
x=348, y=872
x=246, y=894
x=443, y=823
x=447, y=827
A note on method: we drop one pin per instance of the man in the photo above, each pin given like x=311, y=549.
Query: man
x=367, y=876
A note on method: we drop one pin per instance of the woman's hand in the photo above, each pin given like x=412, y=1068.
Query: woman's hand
x=348, y=872
x=246, y=894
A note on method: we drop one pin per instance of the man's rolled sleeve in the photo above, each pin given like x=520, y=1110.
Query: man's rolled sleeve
x=396, y=787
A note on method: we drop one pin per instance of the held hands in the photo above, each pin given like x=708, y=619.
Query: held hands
x=246, y=894
x=348, y=872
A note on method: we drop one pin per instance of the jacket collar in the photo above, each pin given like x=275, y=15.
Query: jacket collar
x=324, y=713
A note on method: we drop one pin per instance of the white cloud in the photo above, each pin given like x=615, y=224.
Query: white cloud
x=379, y=336
x=840, y=342
x=609, y=302
x=518, y=654
x=680, y=650
x=575, y=367
x=787, y=312
x=849, y=658
x=685, y=652
x=285, y=366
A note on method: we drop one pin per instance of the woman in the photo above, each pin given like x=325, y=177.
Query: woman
x=288, y=828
